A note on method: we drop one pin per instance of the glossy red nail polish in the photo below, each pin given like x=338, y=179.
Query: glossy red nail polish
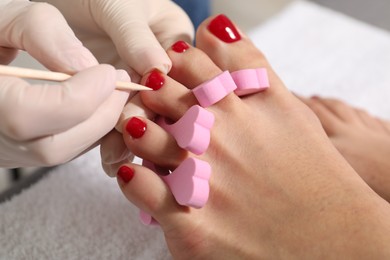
x=155, y=80
x=224, y=29
x=180, y=46
x=136, y=127
x=125, y=173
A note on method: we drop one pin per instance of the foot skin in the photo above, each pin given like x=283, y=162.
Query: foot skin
x=278, y=188
x=362, y=139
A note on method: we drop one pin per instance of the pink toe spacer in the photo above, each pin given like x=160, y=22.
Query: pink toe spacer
x=146, y=219
x=212, y=91
x=250, y=81
x=189, y=184
x=192, y=131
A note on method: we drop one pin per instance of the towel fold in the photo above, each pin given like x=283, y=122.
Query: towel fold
x=77, y=212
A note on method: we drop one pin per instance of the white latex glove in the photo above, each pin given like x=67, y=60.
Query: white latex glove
x=129, y=34
x=132, y=35
x=113, y=150
x=46, y=124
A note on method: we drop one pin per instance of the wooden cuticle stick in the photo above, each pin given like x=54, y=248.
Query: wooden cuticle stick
x=58, y=77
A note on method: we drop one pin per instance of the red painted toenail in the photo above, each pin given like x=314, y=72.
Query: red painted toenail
x=125, y=173
x=224, y=29
x=180, y=46
x=136, y=127
x=155, y=80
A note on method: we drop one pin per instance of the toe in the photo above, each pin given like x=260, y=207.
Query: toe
x=235, y=53
x=231, y=49
x=343, y=111
x=386, y=125
x=370, y=121
x=149, y=193
x=149, y=141
x=173, y=96
x=169, y=98
x=330, y=122
x=192, y=66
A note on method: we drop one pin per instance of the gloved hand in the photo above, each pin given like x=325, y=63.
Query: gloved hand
x=113, y=150
x=129, y=34
x=45, y=124
x=132, y=35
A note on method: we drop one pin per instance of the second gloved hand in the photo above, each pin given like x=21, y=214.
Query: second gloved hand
x=129, y=34
x=48, y=124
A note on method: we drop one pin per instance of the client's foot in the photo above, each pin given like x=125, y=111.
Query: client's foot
x=278, y=187
x=362, y=139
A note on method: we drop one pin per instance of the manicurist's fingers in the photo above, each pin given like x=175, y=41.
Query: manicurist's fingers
x=42, y=31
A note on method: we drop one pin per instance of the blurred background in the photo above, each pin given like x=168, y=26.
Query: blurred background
x=248, y=14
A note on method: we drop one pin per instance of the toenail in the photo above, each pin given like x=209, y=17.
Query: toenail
x=136, y=127
x=155, y=80
x=180, y=46
x=125, y=173
x=224, y=29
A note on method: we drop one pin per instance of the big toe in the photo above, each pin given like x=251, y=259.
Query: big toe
x=230, y=49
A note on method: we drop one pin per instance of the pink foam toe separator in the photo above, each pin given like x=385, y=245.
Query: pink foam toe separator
x=192, y=131
x=250, y=81
x=146, y=219
x=189, y=182
x=212, y=91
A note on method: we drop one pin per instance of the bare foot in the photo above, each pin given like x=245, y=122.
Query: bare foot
x=362, y=139
x=279, y=188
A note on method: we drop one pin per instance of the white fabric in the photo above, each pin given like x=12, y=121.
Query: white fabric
x=318, y=51
x=77, y=212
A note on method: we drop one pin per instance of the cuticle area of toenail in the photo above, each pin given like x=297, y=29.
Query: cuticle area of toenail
x=136, y=127
x=180, y=46
x=155, y=80
x=125, y=173
x=224, y=29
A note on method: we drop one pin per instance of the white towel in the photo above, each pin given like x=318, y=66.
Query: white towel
x=318, y=51
x=77, y=212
